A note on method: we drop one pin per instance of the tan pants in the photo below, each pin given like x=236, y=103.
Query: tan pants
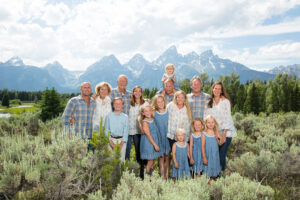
x=123, y=150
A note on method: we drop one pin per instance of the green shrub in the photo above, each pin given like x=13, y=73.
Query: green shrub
x=154, y=187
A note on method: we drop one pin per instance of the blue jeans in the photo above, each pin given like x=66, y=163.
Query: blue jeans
x=136, y=140
x=223, y=151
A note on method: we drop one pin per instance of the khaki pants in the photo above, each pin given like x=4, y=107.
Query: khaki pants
x=123, y=150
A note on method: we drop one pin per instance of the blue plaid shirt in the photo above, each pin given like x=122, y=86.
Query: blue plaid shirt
x=78, y=109
x=169, y=98
x=126, y=99
x=198, y=103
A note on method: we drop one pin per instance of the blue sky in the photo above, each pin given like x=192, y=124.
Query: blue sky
x=259, y=34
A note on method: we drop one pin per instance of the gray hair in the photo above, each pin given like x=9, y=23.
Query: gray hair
x=123, y=76
x=195, y=78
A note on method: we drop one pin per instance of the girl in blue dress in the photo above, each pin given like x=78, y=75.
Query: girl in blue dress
x=210, y=139
x=180, y=168
x=195, y=148
x=161, y=119
x=149, y=145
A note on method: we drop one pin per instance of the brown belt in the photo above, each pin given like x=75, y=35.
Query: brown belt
x=116, y=137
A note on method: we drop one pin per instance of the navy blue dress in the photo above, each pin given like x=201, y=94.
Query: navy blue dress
x=161, y=120
x=213, y=167
x=147, y=149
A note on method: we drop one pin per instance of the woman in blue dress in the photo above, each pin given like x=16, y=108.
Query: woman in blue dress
x=150, y=145
x=161, y=119
x=180, y=168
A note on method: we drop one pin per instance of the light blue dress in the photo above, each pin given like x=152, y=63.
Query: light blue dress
x=161, y=120
x=182, y=159
x=197, y=167
x=147, y=149
x=213, y=167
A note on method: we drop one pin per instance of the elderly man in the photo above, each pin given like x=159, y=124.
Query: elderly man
x=168, y=90
x=121, y=91
x=78, y=114
x=197, y=99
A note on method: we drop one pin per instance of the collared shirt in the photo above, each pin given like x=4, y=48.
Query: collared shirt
x=117, y=125
x=78, y=109
x=197, y=104
x=169, y=98
x=125, y=96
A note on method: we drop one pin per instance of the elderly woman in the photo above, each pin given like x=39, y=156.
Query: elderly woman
x=103, y=104
x=219, y=106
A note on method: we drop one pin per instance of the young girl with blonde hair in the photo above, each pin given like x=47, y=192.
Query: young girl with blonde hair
x=210, y=139
x=161, y=119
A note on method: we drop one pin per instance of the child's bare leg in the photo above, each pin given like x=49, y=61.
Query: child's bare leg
x=166, y=166
x=149, y=166
x=161, y=166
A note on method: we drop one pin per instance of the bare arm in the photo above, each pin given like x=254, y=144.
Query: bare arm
x=191, y=150
x=147, y=133
x=203, y=149
x=174, y=79
x=174, y=156
x=219, y=138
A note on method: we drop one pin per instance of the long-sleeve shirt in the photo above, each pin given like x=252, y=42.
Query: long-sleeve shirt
x=178, y=118
x=197, y=104
x=125, y=96
x=103, y=108
x=133, y=118
x=78, y=109
x=118, y=125
x=222, y=113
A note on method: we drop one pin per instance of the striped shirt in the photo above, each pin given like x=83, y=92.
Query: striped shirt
x=78, y=109
x=197, y=104
x=125, y=96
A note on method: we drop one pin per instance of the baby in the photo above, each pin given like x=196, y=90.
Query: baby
x=170, y=73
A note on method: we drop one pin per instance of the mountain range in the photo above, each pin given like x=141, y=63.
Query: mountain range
x=15, y=75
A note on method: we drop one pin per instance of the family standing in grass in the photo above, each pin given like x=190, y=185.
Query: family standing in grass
x=195, y=129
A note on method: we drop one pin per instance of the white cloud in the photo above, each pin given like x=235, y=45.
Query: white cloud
x=55, y=14
x=269, y=56
x=86, y=32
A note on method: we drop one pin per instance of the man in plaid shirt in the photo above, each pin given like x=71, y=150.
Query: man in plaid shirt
x=197, y=99
x=78, y=114
x=121, y=91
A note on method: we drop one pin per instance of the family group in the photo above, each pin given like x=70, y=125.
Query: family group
x=196, y=128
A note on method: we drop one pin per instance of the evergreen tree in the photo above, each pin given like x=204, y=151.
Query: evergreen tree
x=252, y=101
x=185, y=85
x=5, y=100
x=50, y=105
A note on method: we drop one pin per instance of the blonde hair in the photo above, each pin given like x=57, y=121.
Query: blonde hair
x=213, y=118
x=117, y=98
x=142, y=117
x=186, y=103
x=193, y=123
x=132, y=97
x=102, y=84
x=154, y=103
x=178, y=131
x=170, y=66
